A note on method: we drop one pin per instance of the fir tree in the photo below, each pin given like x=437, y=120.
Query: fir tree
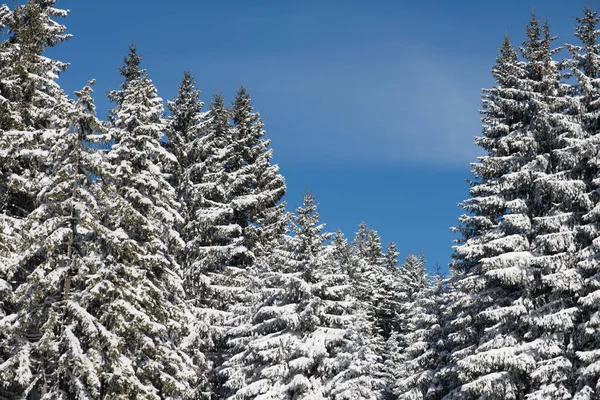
x=256, y=187
x=374, y=282
x=184, y=126
x=30, y=100
x=512, y=322
x=214, y=278
x=56, y=254
x=142, y=289
x=421, y=330
x=390, y=261
x=29, y=94
x=582, y=152
x=298, y=344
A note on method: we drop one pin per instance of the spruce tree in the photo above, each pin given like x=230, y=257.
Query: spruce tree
x=299, y=343
x=55, y=255
x=30, y=100
x=513, y=314
x=216, y=279
x=184, y=126
x=257, y=187
x=417, y=362
x=143, y=290
x=583, y=152
x=29, y=93
x=375, y=283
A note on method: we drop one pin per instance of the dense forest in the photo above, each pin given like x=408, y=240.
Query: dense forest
x=150, y=255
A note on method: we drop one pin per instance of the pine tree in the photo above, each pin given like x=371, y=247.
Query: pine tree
x=256, y=187
x=299, y=343
x=513, y=317
x=233, y=213
x=390, y=261
x=583, y=152
x=55, y=256
x=184, y=126
x=142, y=287
x=28, y=89
x=30, y=100
x=374, y=282
x=216, y=279
x=8, y=115
x=33, y=118
x=417, y=341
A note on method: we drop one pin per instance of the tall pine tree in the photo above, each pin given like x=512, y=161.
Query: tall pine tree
x=513, y=319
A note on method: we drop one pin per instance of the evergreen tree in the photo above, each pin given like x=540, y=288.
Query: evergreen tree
x=513, y=317
x=417, y=341
x=184, y=126
x=214, y=277
x=31, y=99
x=390, y=261
x=256, y=187
x=374, y=282
x=142, y=289
x=299, y=343
x=56, y=254
x=582, y=151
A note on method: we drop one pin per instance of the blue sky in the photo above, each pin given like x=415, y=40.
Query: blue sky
x=370, y=105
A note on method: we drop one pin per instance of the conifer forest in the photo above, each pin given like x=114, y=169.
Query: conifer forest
x=150, y=255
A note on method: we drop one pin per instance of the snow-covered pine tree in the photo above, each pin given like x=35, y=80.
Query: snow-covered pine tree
x=233, y=213
x=417, y=362
x=130, y=71
x=55, y=256
x=364, y=273
x=184, y=126
x=257, y=187
x=214, y=257
x=414, y=276
x=32, y=117
x=30, y=100
x=404, y=282
x=374, y=282
x=390, y=261
x=8, y=114
x=28, y=88
x=515, y=282
x=360, y=366
x=585, y=66
x=213, y=241
x=299, y=343
x=143, y=301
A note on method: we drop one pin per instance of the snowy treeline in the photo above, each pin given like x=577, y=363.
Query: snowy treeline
x=150, y=256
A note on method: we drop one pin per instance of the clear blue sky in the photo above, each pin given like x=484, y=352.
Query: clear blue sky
x=372, y=105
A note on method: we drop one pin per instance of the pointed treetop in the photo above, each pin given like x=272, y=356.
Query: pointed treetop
x=536, y=48
x=306, y=222
x=243, y=112
x=533, y=32
x=33, y=32
x=185, y=111
x=131, y=67
x=219, y=115
x=84, y=111
x=507, y=51
x=586, y=30
x=391, y=256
